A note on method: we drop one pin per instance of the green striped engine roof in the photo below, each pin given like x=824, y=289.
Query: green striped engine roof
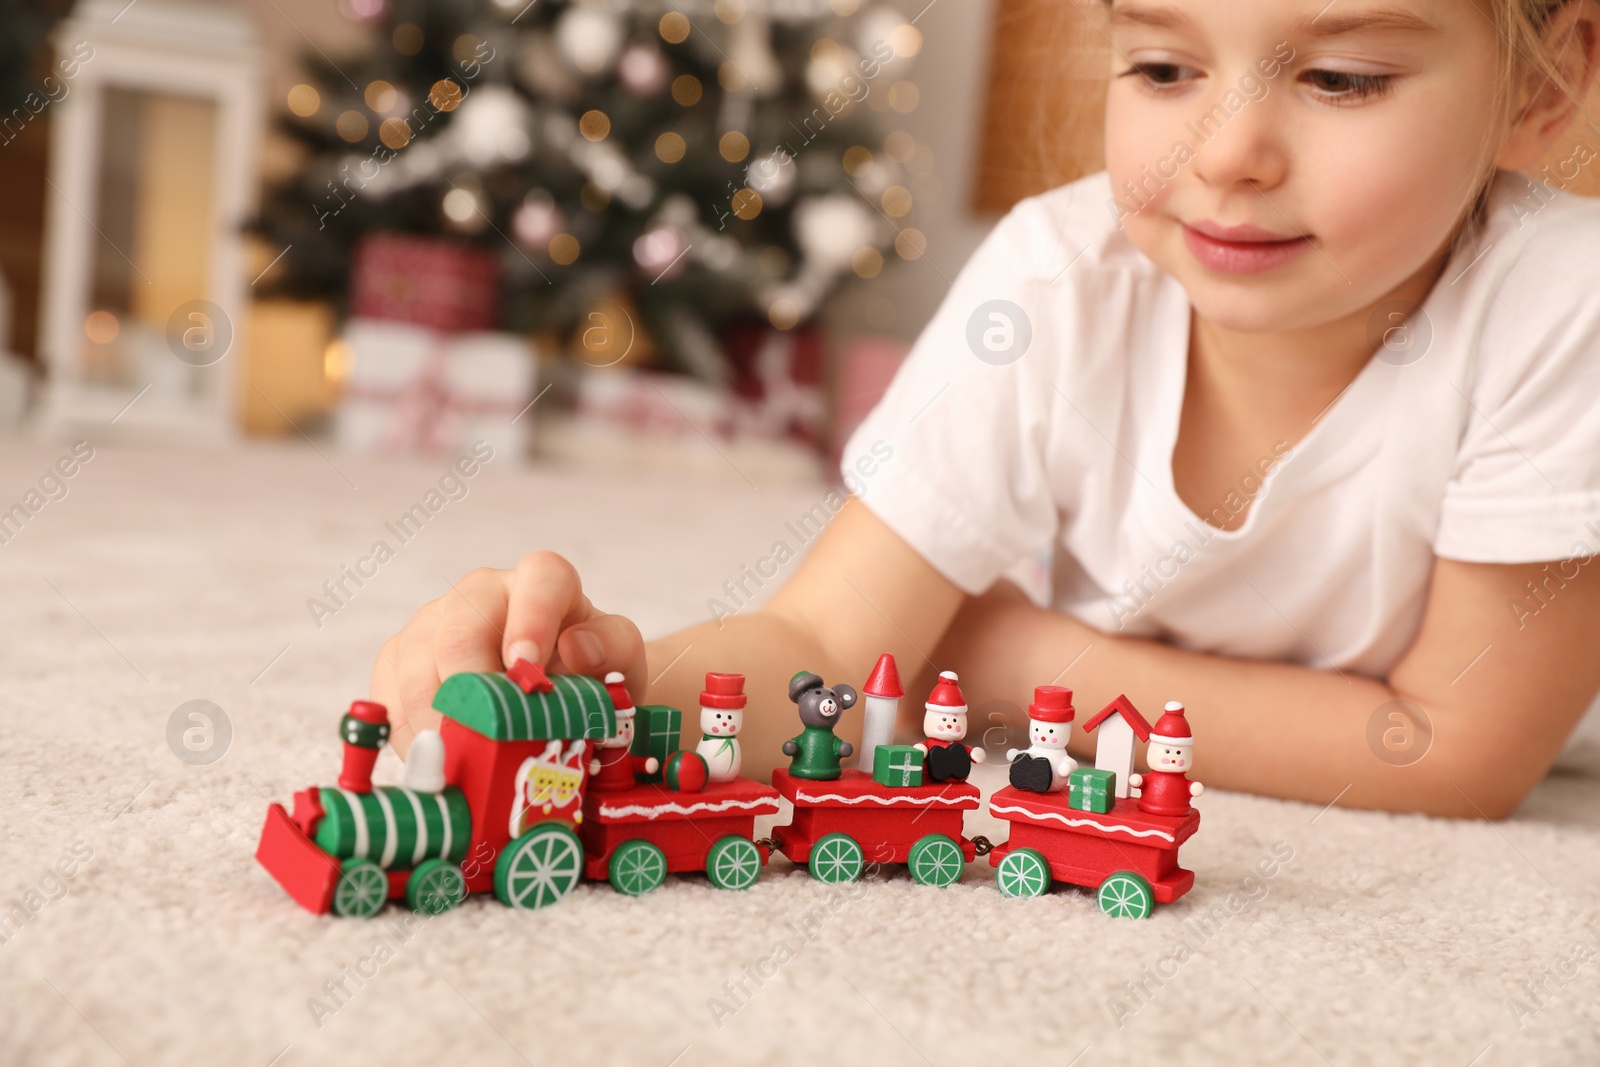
x=496, y=707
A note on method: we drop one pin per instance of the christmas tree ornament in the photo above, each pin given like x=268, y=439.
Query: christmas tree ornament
x=643, y=70
x=773, y=176
x=879, y=27
x=829, y=229
x=537, y=219
x=544, y=71
x=491, y=126
x=589, y=38
x=750, y=54
x=659, y=251
x=827, y=69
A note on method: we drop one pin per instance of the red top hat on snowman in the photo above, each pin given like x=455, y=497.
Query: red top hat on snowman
x=723, y=691
x=1051, y=703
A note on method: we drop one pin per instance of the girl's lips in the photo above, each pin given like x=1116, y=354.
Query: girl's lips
x=1239, y=256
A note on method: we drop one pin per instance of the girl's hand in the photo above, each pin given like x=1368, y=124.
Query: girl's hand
x=488, y=621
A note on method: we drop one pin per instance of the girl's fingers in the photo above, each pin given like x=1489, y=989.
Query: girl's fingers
x=546, y=596
x=472, y=624
x=384, y=688
x=605, y=643
x=416, y=679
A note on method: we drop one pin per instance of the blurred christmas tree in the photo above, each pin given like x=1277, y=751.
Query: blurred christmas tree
x=696, y=163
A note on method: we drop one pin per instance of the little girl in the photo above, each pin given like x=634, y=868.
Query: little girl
x=1299, y=399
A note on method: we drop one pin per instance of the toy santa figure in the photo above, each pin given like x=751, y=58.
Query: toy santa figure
x=1044, y=766
x=1166, y=789
x=944, y=720
x=614, y=766
x=721, y=717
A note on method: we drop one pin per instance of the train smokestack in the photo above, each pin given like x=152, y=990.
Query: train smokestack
x=364, y=730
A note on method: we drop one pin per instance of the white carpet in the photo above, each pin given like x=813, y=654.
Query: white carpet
x=163, y=577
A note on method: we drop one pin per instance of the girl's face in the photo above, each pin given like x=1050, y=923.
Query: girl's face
x=1293, y=162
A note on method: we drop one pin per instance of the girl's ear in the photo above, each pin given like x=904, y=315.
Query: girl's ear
x=1572, y=41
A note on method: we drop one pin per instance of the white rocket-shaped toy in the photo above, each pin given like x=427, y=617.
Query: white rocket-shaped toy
x=880, y=708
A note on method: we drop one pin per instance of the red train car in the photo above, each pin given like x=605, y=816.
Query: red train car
x=840, y=826
x=634, y=838
x=1129, y=857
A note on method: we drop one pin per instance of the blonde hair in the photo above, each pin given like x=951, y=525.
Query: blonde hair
x=1525, y=56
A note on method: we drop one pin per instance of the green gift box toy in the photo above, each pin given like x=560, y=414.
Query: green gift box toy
x=1091, y=789
x=657, y=729
x=897, y=766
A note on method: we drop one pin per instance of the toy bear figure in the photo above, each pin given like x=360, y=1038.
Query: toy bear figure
x=944, y=720
x=1166, y=788
x=816, y=752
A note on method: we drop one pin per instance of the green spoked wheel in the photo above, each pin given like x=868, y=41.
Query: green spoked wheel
x=1023, y=873
x=1126, y=895
x=637, y=867
x=836, y=858
x=936, y=860
x=435, y=887
x=734, y=862
x=362, y=889
x=539, y=868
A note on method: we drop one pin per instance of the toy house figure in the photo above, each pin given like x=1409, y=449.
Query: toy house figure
x=1044, y=766
x=722, y=705
x=944, y=721
x=1117, y=724
x=1166, y=789
x=815, y=752
x=613, y=766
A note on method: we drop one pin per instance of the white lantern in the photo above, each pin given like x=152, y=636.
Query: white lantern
x=152, y=172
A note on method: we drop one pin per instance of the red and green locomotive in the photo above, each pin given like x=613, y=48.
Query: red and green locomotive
x=499, y=799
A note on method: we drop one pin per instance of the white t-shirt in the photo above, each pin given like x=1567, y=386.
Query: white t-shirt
x=1481, y=443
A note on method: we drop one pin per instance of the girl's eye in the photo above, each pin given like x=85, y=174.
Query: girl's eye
x=1343, y=85
x=1160, y=76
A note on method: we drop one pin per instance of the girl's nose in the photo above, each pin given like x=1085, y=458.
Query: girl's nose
x=1243, y=147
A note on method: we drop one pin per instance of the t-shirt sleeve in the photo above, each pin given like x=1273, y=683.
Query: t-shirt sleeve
x=1526, y=487
x=957, y=442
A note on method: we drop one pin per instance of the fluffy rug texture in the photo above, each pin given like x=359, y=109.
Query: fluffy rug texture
x=139, y=929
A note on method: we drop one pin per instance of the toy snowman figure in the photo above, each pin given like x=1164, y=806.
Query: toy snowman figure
x=721, y=717
x=1044, y=766
x=944, y=720
x=1166, y=789
x=613, y=766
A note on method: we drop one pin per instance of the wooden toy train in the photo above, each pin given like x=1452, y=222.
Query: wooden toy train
x=534, y=783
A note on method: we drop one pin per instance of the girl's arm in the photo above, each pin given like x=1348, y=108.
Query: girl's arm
x=1502, y=687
